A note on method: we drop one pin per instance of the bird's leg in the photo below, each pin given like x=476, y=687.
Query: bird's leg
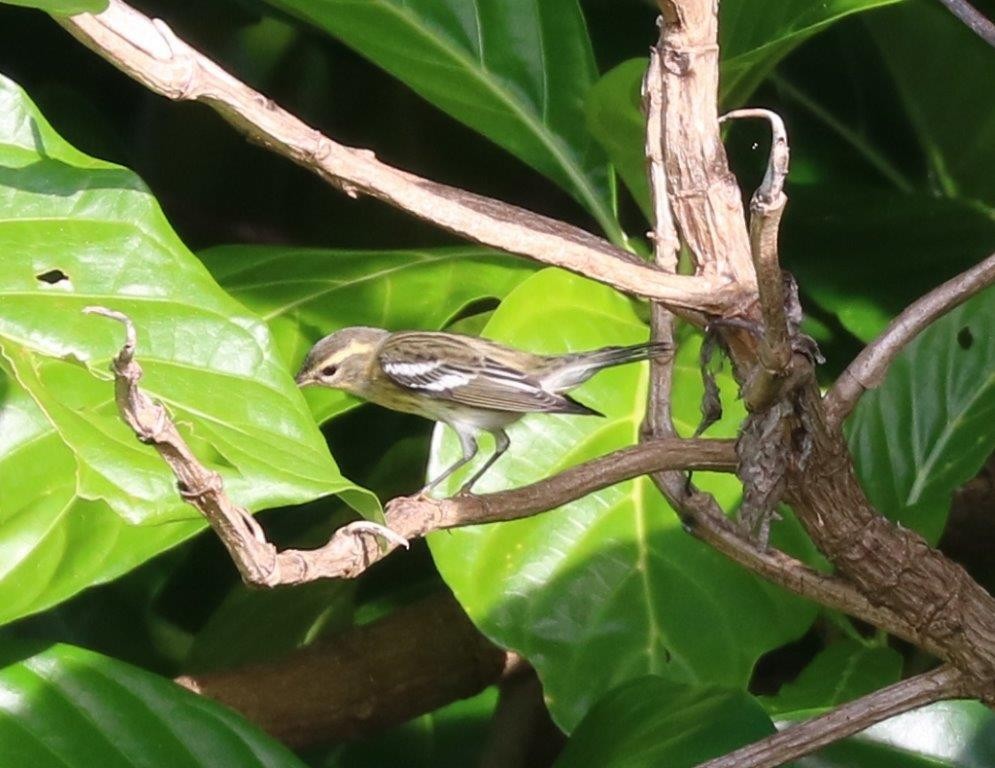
x=469, y=445
x=501, y=443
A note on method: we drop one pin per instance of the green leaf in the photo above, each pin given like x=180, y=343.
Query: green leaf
x=615, y=119
x=453, y=736
x=306, y=293
x=865, y=254
x=609, y=587
x=655, y=722
x=755, y=36
x=931, y=424
x=69, y=708
x=516, y=71
x=840, y=673
x=76, y=232
x=61, y=7
x=949, y=734
x=940, y=92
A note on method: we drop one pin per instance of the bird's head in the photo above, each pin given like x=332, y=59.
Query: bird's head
x=342, y=360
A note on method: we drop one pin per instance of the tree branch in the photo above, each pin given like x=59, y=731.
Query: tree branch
x=804, y=738
x=355, y=547
x=364, y=679
x=148, y=51
x=868, y=369
x=973, y=18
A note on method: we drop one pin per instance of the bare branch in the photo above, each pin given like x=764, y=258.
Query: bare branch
x=973, y=18
x=149, y=52
x=804, y=738
x=356, y=546
x=704, y=197
x=666, y=244
x=867, y=371
x=417, y=515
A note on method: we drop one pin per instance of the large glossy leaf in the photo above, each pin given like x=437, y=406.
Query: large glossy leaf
x=516, y=71
x=654, y=722
x=61, y=7
x=939, y=67
x=754, y=37
x=610, y=587
x=950, y=734
x=931, y=425
x=454, y=736
x=70, y=708
x=305, y=293
x=864, y=255
x=74, y=232
x=840, y=673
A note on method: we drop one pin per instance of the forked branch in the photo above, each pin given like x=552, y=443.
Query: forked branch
x=148, y=51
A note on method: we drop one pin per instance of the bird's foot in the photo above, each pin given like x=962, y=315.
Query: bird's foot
x=369, y=528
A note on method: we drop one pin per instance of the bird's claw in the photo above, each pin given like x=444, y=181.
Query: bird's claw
x=368, y=528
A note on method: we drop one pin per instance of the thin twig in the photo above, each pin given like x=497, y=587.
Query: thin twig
x=151, y=53
x=804, y=738
x=355, y=547
x=766, y=207
x=973, y=18
x=867, y=371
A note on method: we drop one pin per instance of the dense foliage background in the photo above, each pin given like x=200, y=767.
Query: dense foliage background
x=652, y=649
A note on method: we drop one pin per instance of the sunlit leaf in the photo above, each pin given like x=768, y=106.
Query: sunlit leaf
x=75, y=232
x=70, y=708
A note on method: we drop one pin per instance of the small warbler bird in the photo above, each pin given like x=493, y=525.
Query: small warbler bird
x=471, y=384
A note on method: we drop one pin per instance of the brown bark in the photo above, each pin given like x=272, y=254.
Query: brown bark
x=417, y=659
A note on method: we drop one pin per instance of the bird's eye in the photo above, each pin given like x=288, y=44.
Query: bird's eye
x=329, y=370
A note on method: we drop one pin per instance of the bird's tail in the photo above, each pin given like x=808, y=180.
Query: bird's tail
x=579, y=367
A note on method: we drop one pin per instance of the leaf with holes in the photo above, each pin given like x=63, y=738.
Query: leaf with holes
x=931, y=424
x=69, y=708
x=306, y=293
x=75, y=232
x=516, y=71
x=609, y=587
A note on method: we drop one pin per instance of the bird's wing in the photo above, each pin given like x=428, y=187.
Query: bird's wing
x=445, y=367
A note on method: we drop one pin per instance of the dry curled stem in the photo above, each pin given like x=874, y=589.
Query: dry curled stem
x=766, y=208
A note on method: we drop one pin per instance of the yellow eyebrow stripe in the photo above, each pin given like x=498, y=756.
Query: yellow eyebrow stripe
x=352, y=348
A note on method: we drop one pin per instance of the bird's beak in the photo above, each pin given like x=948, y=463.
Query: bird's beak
x=303, y=378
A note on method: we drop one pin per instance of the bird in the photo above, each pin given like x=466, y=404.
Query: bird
x=472, y=384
